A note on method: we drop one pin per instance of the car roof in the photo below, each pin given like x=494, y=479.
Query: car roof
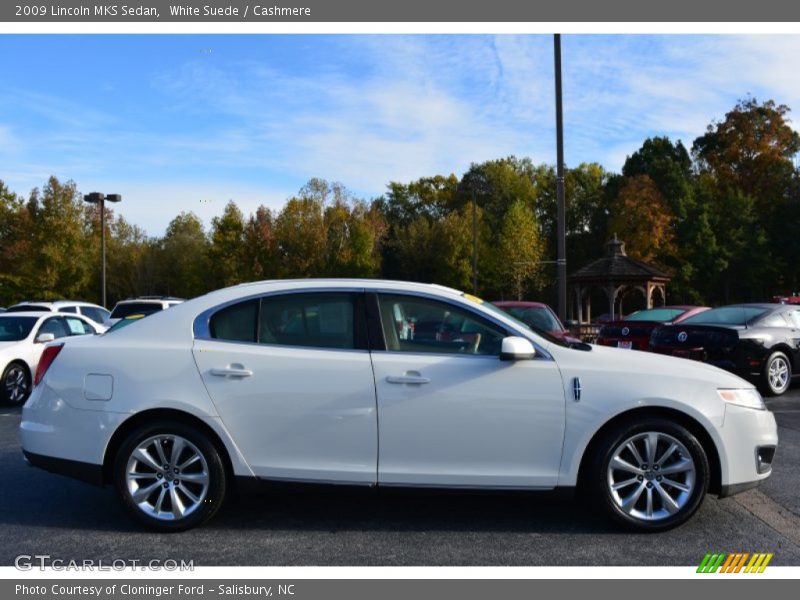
x=37, y=314
x=764, y=305
x=54, y=303
x=150, y=299
x=280, y=284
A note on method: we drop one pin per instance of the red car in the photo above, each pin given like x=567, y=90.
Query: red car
x=539, y=317
x=634, y=331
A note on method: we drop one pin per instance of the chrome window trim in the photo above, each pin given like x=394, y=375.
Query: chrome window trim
x=201, y=325
x=202, y=330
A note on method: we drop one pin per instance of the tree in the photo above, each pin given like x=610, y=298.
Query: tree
x=520, y=249
x=301, y=238
x=226, y=251
x=58, y=263
x=183, y=257
x=641, y=217
x=259, y=254
x=747, y=158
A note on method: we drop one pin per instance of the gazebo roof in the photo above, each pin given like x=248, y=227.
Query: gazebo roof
x=618, y=266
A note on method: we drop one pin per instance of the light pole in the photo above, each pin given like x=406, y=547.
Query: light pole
x=562, y=245
x=98, y=198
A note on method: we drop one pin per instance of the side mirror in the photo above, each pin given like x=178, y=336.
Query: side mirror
x=43, y=338
x=516, y=348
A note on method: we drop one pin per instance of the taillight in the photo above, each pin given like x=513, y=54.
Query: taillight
x=48, y=356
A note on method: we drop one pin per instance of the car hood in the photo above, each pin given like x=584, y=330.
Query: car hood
x=633, y=365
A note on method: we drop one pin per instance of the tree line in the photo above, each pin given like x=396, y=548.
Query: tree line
x=723, y=217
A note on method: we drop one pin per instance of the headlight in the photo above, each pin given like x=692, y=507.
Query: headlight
x=748, y=397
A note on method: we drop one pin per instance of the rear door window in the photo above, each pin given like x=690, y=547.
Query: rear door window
x=313, y=320
x=317, y=320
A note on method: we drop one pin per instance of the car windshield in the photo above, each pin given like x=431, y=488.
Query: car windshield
x=14, y=329
x=660, y=315
x=129, y=320
x=134, y=308
x=727, y=315
x=536, y=317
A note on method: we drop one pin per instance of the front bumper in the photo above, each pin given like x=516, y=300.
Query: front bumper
x=747, y=434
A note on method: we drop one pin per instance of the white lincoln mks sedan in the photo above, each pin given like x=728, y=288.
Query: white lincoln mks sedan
x=383, y=383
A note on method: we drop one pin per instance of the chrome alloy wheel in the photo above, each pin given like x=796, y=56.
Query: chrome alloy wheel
x=16, y=384
x=167, y=477
x=651, y=476
x=778, y=374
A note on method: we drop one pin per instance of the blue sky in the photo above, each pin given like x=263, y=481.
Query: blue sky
x=186, y=122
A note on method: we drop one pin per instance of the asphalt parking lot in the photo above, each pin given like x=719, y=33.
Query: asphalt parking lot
x=48, y=514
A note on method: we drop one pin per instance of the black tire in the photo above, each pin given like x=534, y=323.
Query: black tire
x=769, y=385
x=210, y=464
x=600, y=478
x=15, y=385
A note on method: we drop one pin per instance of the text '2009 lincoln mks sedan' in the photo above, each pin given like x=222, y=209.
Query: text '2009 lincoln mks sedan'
x=380, y=383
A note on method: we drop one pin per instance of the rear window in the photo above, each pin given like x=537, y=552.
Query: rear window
x=727, y=315
x=29, y=308
x=134, y=308
x=14, y=329
x=661, y=315
x=98, y=315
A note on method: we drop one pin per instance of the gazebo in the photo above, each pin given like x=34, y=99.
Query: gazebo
x=616, y=274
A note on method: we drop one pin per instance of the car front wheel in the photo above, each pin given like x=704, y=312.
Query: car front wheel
x=170, y=476
x=650, y=475
x=16, y=384
x=777, y=374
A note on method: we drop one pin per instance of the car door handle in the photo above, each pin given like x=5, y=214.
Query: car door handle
x=232, y=372
x=408, y=378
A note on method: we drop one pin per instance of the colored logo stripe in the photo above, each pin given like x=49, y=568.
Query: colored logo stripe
x=734, y=563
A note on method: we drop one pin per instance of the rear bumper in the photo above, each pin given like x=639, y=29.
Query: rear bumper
x=87, y=472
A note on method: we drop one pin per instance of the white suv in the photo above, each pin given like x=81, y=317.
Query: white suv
x=93, y=312
x=143, y=305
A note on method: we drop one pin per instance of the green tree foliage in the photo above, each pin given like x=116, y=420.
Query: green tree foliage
x=259, y=252
x=56, y=264
x=520, y=250
x=183, y=258
x=226, y=250
x=747, y=159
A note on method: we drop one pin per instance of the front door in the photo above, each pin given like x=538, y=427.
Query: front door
x=451, y=413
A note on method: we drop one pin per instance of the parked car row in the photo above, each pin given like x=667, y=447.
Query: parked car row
x=26, y=327
x=759, y=342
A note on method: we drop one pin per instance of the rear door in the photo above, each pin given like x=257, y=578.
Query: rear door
x=291, y=377
x=451, y=413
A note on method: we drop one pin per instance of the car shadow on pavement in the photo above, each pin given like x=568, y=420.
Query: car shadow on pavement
x=410, y=511
x=41, y=500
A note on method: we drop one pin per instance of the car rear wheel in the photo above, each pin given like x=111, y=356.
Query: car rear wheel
x=649, y=475
x=16, y=383
x=170, y=476
x=777, y=374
